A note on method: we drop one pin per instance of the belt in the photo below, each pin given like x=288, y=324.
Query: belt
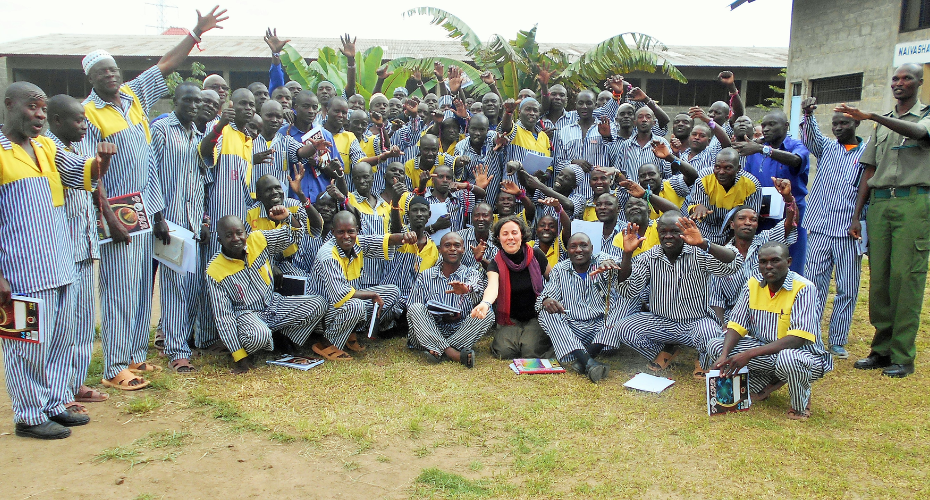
x=902, y=192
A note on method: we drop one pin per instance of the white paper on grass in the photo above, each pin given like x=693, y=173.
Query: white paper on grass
x=649, y=383
x=776, y=204
x=180, y=255
x=594, y=230
x=374, y=318
x=533, y=163
x=437, y=210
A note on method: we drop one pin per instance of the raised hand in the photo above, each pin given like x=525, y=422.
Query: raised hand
x=335, y=193
x=809, y=105
x=478, y=250
x=603, y=127
x=699, y=212
x=726, y=78
x=676, y=144
x=697, y=113
x=458, y=288
x=227, y=116
x=348, y=46
x=409, y=238
x=383, y=72
x=394, y=152
x=510, y=106
x=410, y=107
x=278, y=213
x=487, y=78
x=500, y=141
x=852, y=112
x=616, y=84
x=635, y=190
x=690, y=233
x=294, y=177
x=263, y=157
x=638, y=95
x=631, y=238
x=482, y=179
x=439, y=71
x=274, y=43
x=417, y=75
x=514, y=166
x=543, y=74
x=553, y=306
x=510, y=187
x=105, y=151
x=459, y=108
x=551, y=202
x=660, y=149
x=400, y=187
x=210, y=21
x=783, y=186
x=585, y=166
x=533, y=182
x=425, y=177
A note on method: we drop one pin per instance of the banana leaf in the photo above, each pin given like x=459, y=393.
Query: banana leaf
x=622, y=53
x=456, y=27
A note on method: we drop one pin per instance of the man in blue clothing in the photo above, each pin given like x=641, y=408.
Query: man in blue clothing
x=782, y=157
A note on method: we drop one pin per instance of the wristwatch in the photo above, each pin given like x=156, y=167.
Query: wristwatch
x=767, y=151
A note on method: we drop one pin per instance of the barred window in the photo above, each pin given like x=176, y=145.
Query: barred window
x=842, y=88
x=915, y=15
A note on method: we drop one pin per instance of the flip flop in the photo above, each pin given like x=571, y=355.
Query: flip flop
x=664, y=359
x=89, y=395
x=75, y=407
x=797, y=415
x=123, y=379
x=144, y=367
x=331, y=353
x=698, y=373
x=433, y=358
x=353, y=344
x=467, y=358
x=182, y=366
x=159, y=342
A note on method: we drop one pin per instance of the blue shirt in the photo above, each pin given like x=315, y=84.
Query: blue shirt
x=314, y=182
x=764, y=169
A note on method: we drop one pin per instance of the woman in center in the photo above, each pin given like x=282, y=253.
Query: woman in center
x=516, y=276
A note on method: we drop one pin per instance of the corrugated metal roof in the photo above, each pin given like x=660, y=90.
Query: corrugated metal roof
x=254, y=47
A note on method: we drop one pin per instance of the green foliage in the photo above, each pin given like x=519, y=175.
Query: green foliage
x=198, y=73
x=778, y=101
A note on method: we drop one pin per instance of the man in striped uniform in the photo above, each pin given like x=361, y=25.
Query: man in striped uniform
x=35, y=260
x=640, y=149
x=175, y=143
x=523, y=137
x=272, y=151
x=584, y=143
x=478, y=149
x=715, y=194
x=270, y=195
x=413, y=258
x=459, y=197
x=832, y=201
x=574, y=305
x=66, y=127
x=428, y=156
x=477, y=238
x=775, y=331
x=339, y=265
x=457, y=287
x=117, y=114
x=675, y=273
x=241, y=288
x=344, y=142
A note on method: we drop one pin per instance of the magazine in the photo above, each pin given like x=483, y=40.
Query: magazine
x=294, y=285
x=130, y=211
x=536, y=366
x=21, y=319
x=298, y=362
x=727, y=394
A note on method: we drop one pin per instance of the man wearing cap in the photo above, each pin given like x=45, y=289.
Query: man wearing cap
x=116, y=113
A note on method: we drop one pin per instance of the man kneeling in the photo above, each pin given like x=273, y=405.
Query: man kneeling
x=775, y=330
x=456, y=287
x=242, y=292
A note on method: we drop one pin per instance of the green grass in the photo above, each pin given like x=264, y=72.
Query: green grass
x=143, y=405
x=433, y=482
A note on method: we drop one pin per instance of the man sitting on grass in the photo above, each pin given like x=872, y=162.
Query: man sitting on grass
x=775, y=331
x=241, y=285
x=457, y=287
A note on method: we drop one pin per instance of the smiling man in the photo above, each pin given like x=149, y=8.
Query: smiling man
x=715, y=194
x=272, y=151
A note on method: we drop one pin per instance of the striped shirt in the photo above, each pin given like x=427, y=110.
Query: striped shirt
x=677, y=291
x=522, y=142
x=350, y=151
x=82, y=215
x=675, y=190
x=487, y=157
x=408, y=262
x=285, y=153
x=257, y=220
x=724, y=290
x=634, y=156
x=375, y=220
x=608, y=110
x=709, y=192
x=468, y=258
x=132, y=168
x=237, y=286
x=412, y=169
x=459, y=205
x=576, y=144
x=229, y=193
x=340, y=273
x=432, y=284
x=704, y=159
x=34, y=253
x=180, y=172
x=583, y=298
x=792, y=311
x=832, y=198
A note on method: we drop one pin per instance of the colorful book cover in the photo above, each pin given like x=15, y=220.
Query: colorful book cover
x=537, y=366
x=130, y=212
x=725, y=395
x=21, y=319
x=297, y=362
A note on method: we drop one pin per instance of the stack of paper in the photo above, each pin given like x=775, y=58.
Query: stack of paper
x=180, y=254
x=649, y=383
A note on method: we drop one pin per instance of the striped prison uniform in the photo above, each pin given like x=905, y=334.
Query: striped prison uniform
x=705, y=159
x=677, y=301
x=468, y=258
x=246, y=306
x=306, y=256
x=629, y=306
x=340, y=274
x=762, y=319
x=830, y=206
x=577, y=144
x=408, y=136
x=608, y=110
x=408, y=262
x=723, y=291
x=557, y=250
x=258, y=220
x=375, y=221
x=126, y=270
x=522, y=142
x=707, y=191
x=487, y=157
x=230, y=193
x=285, y=153
x=459, y=205
x=675, y=190
x=578, y=202
x=587, y=302
x=177, y=155
x=412, y=169
x=435, y=335
x=36, y=262
x=632, y=156
x=350, y=151
x=82, y=217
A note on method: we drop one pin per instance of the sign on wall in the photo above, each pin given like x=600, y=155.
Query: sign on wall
x=912, y=52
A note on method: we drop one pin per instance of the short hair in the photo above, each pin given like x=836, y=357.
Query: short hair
x=776, y=244
x=496, y=230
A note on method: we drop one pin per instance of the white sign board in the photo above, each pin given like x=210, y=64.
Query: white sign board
x=912, y=52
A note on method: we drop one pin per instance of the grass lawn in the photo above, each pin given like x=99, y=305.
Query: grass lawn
x=563, y=437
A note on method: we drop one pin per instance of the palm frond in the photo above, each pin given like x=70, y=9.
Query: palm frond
x=456, y=28
x=623, y=53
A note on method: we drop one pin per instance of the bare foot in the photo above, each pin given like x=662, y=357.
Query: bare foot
x=767, y=391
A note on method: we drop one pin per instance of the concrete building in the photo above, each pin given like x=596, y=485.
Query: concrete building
x=54, y=63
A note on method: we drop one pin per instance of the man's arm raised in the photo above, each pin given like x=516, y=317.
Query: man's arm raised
x=173, y=59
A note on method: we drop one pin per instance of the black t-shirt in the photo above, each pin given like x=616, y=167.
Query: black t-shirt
x=522, y=296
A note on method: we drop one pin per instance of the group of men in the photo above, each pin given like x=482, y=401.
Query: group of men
x=385, y=215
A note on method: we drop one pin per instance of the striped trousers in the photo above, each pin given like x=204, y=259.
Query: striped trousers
x=294, y=316
x=83, y=323
x=340, y=321
x=436, y=337
x=205, y=334
x=795, y=367
x=182, y=295
x=647, y=333
x=567, y=334
x=125, y=302
x=824, y=255
x=38, y=376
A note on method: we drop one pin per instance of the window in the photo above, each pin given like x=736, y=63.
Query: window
x=796, y=88
x=915, y=15
x=843, y=88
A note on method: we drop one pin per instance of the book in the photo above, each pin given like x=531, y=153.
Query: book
x=862, y=244
x=293, y=285
x=436, y=307
x=316, y=133
x=21, y=319
x=773, y=205
x=725, y=395
x=130, y=211
x=536, y=366
x=649, y=383
x=297, y=362
x=180, y=254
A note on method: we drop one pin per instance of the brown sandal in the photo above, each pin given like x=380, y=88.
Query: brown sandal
x=144, y=367
x=159, y=342
x=664, y=359
x=124, y=381
x=182, y=365
x=332, y=353
x=353, y=344
x=699, y=373
x=88, y=395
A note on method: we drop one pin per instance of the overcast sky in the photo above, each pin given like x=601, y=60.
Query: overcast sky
x=674, y=22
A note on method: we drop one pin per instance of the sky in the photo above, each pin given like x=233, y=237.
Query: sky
x=763, y=23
